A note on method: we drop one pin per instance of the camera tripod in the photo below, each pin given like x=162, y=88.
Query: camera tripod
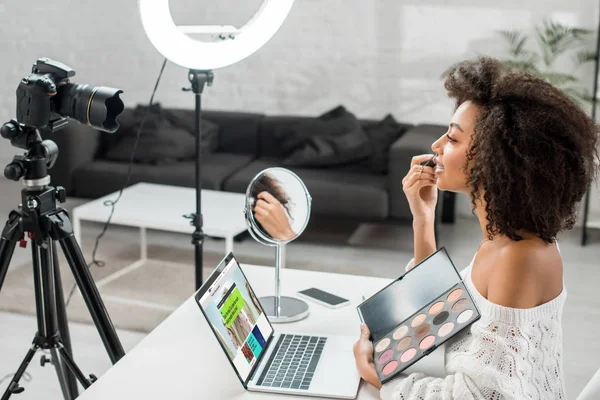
x=40, y=220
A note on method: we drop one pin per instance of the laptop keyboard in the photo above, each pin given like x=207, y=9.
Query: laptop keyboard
x=293, y=362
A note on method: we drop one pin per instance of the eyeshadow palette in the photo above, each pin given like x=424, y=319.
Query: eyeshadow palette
x=415, y=314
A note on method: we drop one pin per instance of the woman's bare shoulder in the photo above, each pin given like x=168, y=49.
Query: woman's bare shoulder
x=525, y=275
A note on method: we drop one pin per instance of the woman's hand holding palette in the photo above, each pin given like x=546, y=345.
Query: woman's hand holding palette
x=413, y=315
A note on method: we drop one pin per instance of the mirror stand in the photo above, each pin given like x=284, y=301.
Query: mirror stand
x=277, y=211
x=280, y=309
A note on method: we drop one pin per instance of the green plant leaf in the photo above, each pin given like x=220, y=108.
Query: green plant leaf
x=581, y=33
x=516, y=42
x=584, y=56
x=524, y=65
x=555, y=39
x=558, y=78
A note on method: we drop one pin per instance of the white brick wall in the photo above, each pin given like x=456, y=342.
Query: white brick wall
x=375, y=57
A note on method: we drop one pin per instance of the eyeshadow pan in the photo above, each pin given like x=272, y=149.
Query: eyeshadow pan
x=459, y=305
x=446, y=329
x=386, y=356
x=382, y=345
x=436, y=308
x=454, y=295
x=404, y=343
x=408, y=355
x=390, y=367
x=441, y=317
x=464, y=316
x=422, y=331
x=427, y=342
x=418, y=320
x=400, y=332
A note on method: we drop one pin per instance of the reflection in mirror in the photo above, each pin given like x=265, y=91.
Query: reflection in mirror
x=277, y=212
x=280, y=205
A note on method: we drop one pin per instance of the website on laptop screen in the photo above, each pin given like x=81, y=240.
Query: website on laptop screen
x=237, y=317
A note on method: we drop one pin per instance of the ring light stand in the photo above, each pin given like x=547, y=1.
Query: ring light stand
x=229, y=45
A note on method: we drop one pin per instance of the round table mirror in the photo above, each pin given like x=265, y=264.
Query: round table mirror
x=277, y=211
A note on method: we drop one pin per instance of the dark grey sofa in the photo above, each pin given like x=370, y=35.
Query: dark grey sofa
x=246, y=144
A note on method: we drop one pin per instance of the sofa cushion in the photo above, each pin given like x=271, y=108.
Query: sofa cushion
x=382, y=135
x=281, y=135
x=99, y=178
x=238, y=131
x=335, y=192
x=208, y=129
x=327, y=151
x=165, y=138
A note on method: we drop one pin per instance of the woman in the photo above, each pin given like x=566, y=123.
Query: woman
x=523, y=152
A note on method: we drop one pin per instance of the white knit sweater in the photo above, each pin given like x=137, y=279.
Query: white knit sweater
x=508, y=353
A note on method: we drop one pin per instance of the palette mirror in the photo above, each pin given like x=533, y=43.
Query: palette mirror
x=277, y=211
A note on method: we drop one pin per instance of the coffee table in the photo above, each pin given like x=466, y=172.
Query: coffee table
x=162, y=207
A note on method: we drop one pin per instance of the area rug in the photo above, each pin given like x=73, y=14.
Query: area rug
x=140, y=299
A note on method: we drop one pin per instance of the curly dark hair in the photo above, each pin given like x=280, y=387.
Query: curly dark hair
x=266, y=183
x=532, y=150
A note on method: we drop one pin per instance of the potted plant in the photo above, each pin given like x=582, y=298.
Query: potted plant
x=556, y=45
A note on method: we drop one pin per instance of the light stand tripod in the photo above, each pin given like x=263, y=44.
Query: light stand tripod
x=198, y=79
x=45, y=223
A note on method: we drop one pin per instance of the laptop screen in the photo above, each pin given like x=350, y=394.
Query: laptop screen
x=236, y=316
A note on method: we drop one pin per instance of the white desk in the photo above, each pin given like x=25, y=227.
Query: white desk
x=181, y=358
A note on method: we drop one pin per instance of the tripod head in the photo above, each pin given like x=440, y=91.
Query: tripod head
x=39, y=157
x=38, y=198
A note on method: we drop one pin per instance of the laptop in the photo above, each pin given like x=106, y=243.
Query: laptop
x=268, y=361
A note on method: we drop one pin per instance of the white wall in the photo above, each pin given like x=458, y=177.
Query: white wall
x=375, y=57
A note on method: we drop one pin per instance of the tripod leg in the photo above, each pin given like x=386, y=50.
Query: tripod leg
x=46, y=296
x=8, y=241
x=45, y=284
x=7, y=249
x=41, y=309
x=13, y=386
x=68, y=361
x=63, y=324
x=92, y=298
x=60, y=372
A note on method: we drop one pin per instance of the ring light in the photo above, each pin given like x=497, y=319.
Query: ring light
x=228, y=45
x=235, y=44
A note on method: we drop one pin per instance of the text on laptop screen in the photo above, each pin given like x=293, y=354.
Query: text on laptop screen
x=237, y=317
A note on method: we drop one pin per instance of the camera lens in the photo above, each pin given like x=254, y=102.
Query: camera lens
x=97, y=106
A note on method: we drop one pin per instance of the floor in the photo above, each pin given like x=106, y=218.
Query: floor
x=340, y=243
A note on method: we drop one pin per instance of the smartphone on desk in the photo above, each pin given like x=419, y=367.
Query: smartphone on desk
x=324, y=298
